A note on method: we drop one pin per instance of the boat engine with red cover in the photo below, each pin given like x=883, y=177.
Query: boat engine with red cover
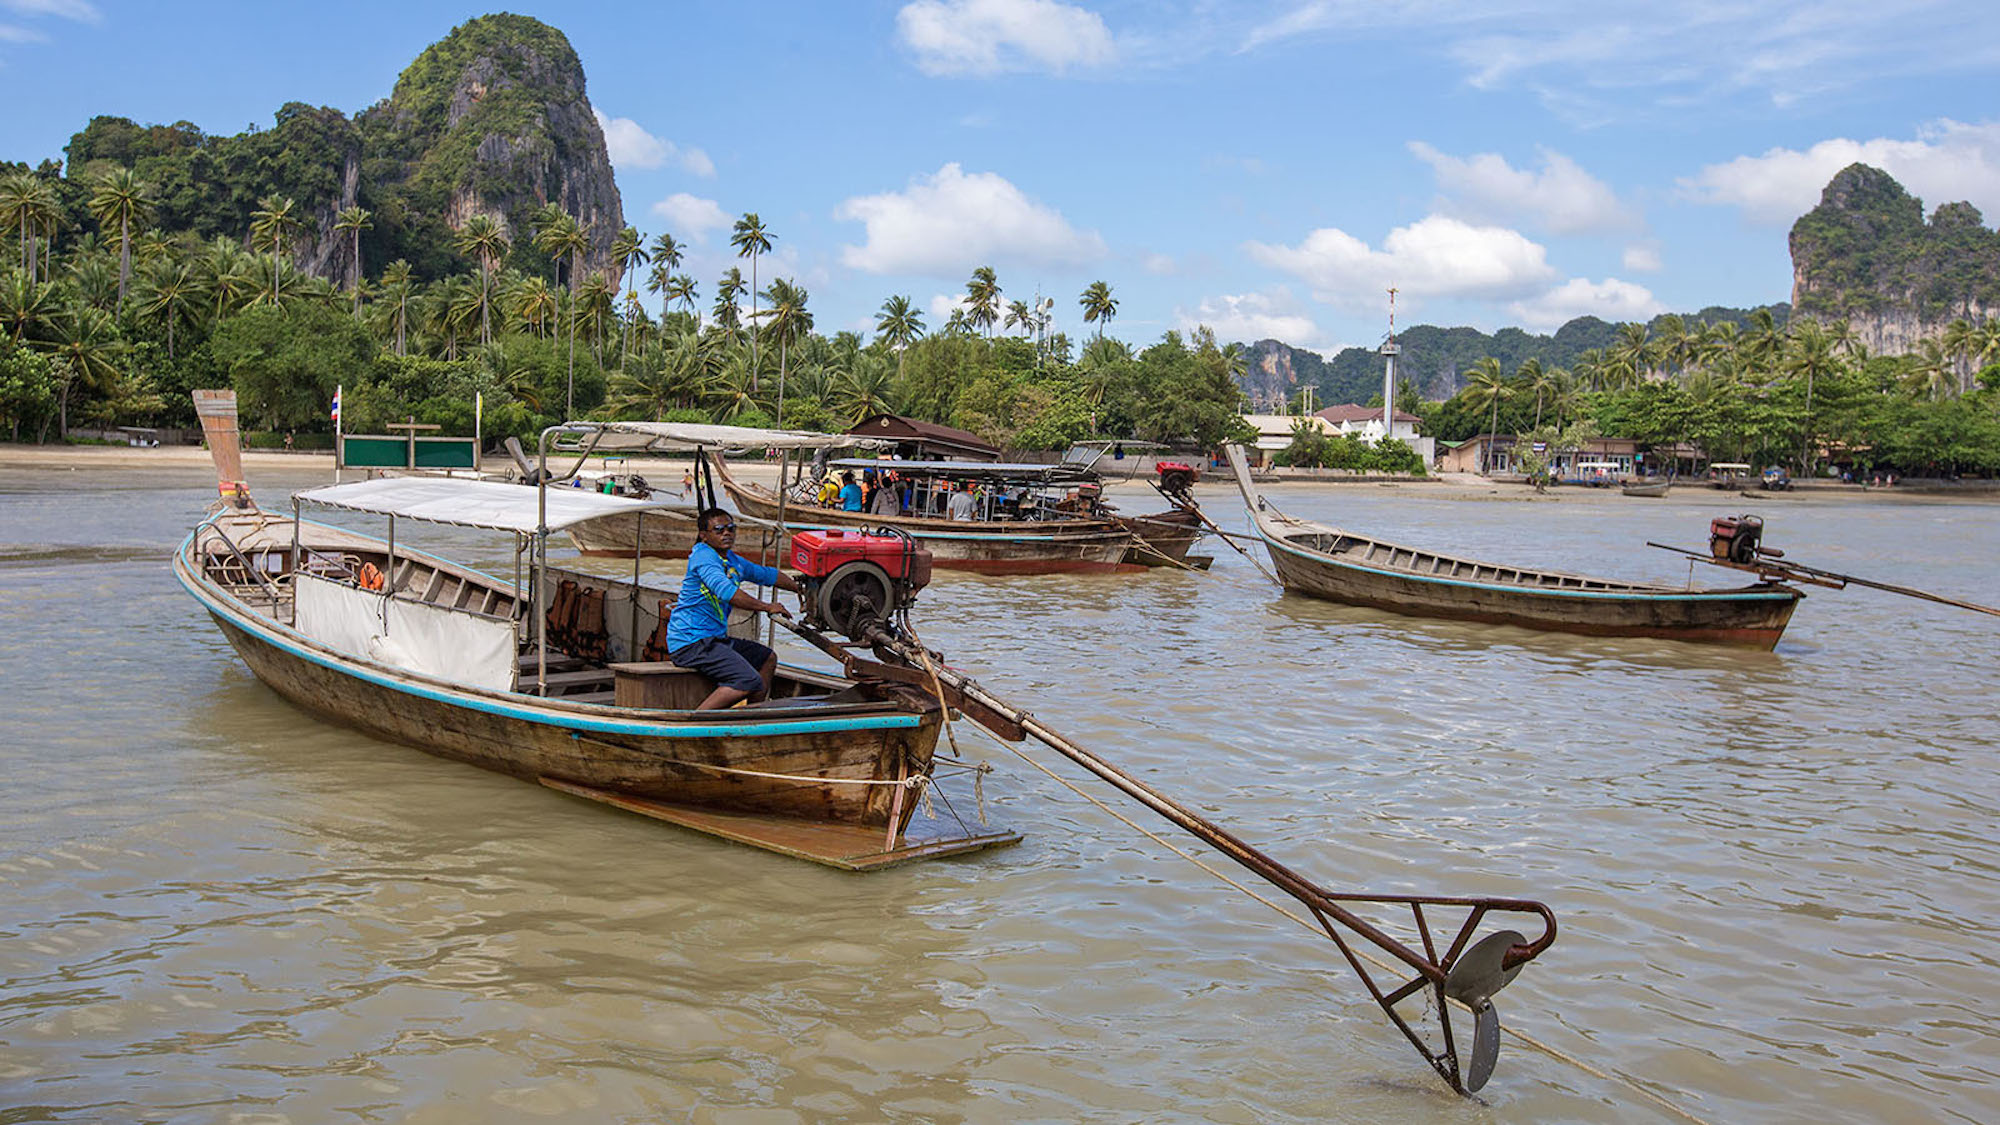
x=854, y=583
x=1177, y=480
x=1735, y=539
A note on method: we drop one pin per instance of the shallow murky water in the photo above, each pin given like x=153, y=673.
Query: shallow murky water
x=1775, y=873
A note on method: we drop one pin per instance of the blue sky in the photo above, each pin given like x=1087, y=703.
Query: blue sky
x=1266, y=167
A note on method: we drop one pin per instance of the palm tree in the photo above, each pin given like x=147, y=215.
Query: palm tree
x=865, y=389
x=121, y=199
x=84, y=341
x=1930, y=370
x=1019, y=316
x=534, y=304
x=167, y=292
x=275, y=218
x=559, y=234
x=1633, y=353
x=680, y=287
x=1533, y=377
x=899, y=324
x=29, y=203
x=354, y=220
x=398, y=289
x=1811, y=355
x=628, y=252
x=786, y=320
x=1763, y=344
x=982, y=299
x=1962, y=340
x=1486, y=384
x=751, y=239
x=482, y=238
x=726, y=293
x=596, y=304
x=1098, y=306
x=223, y=278
x=27, y=307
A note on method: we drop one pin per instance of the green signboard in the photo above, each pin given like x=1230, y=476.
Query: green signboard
x=377, y=451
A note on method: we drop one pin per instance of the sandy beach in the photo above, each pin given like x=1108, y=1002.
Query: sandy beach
x=1444, y=486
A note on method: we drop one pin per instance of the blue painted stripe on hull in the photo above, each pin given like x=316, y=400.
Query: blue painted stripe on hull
x=294, y=643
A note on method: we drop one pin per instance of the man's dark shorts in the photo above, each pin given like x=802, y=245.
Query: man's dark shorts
x=730, y=661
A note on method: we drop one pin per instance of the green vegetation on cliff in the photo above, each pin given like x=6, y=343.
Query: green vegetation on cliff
x=1867, y=251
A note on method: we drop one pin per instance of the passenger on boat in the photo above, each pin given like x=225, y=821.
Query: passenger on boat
x=829, y=491
x=850, y=493
x=960, y=506
x=698, y=633
x=887, y=500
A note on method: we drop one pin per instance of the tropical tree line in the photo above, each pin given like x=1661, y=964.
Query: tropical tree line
x=116, y=324
x=1806, y=394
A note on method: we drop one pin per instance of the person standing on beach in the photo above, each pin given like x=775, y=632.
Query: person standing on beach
x=698, y=630
x=687, y=486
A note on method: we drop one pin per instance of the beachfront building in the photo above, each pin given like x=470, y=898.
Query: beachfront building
x=1480, y=453
x=1350, y=418
x=1274, y=433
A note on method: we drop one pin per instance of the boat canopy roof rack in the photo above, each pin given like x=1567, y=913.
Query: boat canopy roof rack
x=488, y=505
x=688, y=436
x=995, y=471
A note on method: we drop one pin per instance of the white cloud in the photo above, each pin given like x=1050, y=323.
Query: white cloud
x=1643, y=257
x=1250, y=317
x=985, y=37
x=1595, y=62
x=1159, y=265
x=1948, y=161
x=947, y=224
x=1434, y=257
x=78, y=10
x=690, y=216
x=631, y=146
x=1610, y=299
x=943, y=305
x=1561, y=198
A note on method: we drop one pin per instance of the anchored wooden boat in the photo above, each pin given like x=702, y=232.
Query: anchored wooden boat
x=1326, y=562
x=547, y=676
x=1031, y=538
x=1654, y=488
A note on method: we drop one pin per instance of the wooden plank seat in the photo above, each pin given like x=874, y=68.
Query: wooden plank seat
x=565, y=683
x=660, y=684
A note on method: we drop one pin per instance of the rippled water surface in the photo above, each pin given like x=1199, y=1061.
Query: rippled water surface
x=1775, y=872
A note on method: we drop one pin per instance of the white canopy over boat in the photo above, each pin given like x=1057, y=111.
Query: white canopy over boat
x=477, y=503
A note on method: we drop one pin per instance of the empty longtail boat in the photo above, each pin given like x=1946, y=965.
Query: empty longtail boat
x=554, y=675
x=1326, y=562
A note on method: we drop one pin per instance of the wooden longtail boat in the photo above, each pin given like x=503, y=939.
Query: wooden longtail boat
x=1328, y=563
x=417, y=650
x=1651, y=488
x=1043, y=542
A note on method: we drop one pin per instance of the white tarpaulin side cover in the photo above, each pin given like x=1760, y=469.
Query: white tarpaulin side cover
x=447, y=644
x=474, y=503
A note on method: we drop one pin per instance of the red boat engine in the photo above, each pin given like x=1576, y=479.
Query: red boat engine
x=856, y=582
x=1177, y=479
x=1735, y=538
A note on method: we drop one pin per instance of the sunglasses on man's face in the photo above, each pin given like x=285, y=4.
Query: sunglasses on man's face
x=723, y=529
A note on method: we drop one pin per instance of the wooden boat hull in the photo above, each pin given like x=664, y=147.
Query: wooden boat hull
x=677, y=757
x=1324, y=562
x=1654, y=489
x=1163, y=539
x=1752, y=617
x=995, y=547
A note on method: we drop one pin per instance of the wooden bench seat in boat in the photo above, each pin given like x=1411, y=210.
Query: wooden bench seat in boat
x=565, y=683
x=659, y=684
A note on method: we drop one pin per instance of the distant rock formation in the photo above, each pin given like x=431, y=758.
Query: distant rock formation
x=1865, y=255
x=491, y=120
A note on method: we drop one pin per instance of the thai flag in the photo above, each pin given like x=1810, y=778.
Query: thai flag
x=336, y=406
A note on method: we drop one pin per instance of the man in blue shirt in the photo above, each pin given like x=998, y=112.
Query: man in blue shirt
x=698, y=633
x=850, y=493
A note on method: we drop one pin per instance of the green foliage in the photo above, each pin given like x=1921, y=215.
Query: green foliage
x=27, y=392
x=286, y=362
x=1866, y=249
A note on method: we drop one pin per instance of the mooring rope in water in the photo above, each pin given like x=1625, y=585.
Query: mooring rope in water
x=1523, y=1037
